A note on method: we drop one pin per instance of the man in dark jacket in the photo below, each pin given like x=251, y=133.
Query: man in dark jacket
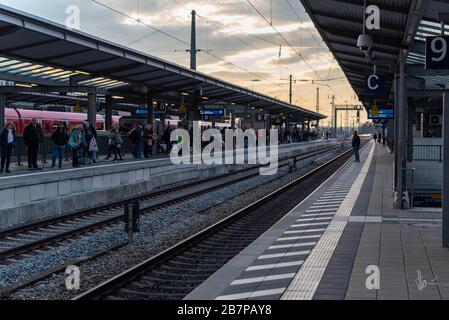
x=7, y=143
x=60, y=139
x=356, y=146
x=136, y=137
x=33, y=137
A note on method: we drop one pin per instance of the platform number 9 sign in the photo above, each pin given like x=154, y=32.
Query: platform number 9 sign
x=437, y=56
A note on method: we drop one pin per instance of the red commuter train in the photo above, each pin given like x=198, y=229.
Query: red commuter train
x=49, y=119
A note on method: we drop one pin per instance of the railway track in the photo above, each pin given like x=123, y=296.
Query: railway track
x=174, y=273
x=24, y=241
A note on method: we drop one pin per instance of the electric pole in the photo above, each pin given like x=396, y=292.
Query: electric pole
x=333, y=119
x=291, y=89
x=193, y=50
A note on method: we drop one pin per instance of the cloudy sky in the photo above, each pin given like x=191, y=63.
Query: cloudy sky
x=238, y=43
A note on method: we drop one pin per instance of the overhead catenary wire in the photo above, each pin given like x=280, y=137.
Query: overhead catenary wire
x=285, y=40
x=172, y=37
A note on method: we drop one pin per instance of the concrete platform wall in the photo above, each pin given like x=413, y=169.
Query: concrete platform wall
x=28, y=198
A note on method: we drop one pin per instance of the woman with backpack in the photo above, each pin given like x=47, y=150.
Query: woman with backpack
x=76, y=143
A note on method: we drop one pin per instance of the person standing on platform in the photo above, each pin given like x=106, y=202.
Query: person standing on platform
x=33, y=136
x=60, y=139
x=92, y=145
x=7, y=143
x=76, y=143
x=90, y=135
x=116, y=141
x=375, y=137
x=167, y=139
x=135, y=137
x=356, y=143
x=148, y=141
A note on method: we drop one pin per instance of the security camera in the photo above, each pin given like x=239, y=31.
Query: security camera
x=365, y=42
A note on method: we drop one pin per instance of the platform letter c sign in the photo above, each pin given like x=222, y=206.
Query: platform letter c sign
x=72, y=282
x=373, y=280
x=73, y=17
x=373, y=19
x=373, y=82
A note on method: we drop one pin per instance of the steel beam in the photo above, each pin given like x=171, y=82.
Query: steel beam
x=445, y=171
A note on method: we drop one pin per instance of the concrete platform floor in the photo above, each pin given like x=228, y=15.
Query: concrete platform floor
x=344, y=242
x=46, y=166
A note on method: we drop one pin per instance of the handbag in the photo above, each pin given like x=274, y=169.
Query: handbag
x=93, y=147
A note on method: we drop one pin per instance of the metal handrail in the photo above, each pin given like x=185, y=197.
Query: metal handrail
x=428, y=153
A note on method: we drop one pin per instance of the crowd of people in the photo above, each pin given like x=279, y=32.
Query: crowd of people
x=82, y=141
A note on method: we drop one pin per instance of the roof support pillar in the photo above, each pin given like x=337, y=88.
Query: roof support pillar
x=2, y=109
x=446, y=172
x=410, y=118
x=402, y=133
x=150, y=110
x=92, y=109
x=233, y=118
x=108, y=112
x=193, y=114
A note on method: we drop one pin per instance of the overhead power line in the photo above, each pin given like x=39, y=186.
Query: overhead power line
x=173, y=37
x=139, y=21
x=285, y=40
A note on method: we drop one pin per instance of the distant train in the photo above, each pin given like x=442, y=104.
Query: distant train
x=49, y=120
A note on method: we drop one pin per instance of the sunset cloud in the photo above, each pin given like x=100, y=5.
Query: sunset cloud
x=229, y=29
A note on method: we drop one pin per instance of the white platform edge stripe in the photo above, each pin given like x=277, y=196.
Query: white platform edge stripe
x=307, y=280
x=263, y=279
x=316, y=236
x=275, y=266
x=314, y=219
x=255, y=294
x=293, y=245
x=312, y=224
x=285, y=254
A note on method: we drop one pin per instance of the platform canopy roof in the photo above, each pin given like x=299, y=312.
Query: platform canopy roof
x=43, y=53
x=403, y=25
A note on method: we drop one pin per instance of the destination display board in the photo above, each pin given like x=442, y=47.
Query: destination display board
x=381, y=114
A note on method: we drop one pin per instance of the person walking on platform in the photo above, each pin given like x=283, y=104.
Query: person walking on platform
x=7, y=143
x=356, y=143
x=76, y=143
x=116, y=142
x=33, y=136
x=60, y=139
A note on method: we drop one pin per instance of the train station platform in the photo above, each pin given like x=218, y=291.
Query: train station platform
x=27, y=197
x=345, y=241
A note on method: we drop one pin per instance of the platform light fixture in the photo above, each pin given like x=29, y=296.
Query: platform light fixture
x=23, y=85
